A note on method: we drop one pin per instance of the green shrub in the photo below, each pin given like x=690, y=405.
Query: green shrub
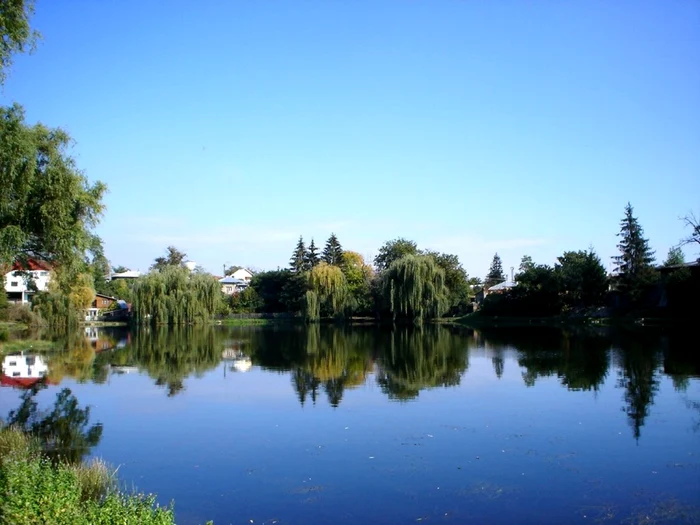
x=35, y=490
x=94, y=478
x=21, y=313
x=16, y=444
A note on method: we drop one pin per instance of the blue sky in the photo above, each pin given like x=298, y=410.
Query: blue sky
x=228, y=129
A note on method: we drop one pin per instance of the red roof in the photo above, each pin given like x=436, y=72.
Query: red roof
x=32, y=265
x=22, y=382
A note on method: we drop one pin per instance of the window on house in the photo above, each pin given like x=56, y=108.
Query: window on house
x=43, y=274
x=15, y=374
x=13, y=363
x=14, y=283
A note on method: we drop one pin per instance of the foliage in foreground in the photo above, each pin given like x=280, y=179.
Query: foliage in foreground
x=34, y=490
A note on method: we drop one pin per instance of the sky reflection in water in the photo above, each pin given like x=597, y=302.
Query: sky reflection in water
x=344, y=425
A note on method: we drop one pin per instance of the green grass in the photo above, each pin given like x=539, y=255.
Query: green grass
x=12, y=326
x=33, y=490
x=25, y=345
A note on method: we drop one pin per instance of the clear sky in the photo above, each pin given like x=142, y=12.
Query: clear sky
x=228, y=129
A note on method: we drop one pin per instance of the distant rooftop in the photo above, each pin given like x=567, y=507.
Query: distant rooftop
x=505, y=285
x=129, y=274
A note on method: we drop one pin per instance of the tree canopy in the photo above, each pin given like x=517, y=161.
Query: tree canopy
x=584, y=280
x=297, y=261
x=526, y=264
x=333, y=252
x=48, y=209
x=495, y=274
x=311, y=257
x=675, y=256
x=393, y=250
x=173, y=257
x=414, y=288
x=16, y=35
x=634, y=264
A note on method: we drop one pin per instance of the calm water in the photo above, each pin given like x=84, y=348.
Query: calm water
x=365, y=425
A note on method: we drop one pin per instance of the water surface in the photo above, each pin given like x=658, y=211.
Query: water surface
x=368, y=425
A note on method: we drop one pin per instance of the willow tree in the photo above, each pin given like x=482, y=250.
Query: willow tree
x=414, y=288
x=48, y=209
x=175, y=296
x=329, y=284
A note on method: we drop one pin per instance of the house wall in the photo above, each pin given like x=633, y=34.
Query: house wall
x=102, y=302
x=24, y=366
x=242, y=274
x=16, y=283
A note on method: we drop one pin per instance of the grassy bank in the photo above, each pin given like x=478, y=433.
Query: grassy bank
x=33, y=490
x=26, y=345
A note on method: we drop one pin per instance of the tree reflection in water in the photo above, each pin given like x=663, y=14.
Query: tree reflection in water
x=63, y=432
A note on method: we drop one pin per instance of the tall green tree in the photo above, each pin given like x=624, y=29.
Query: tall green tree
x=456, y=280
x=634, y=264
x=311, y=258
x=526, y=264
x=175, y=296
x=269, y=286
x=16, y=35
x=358, y=276
x=173, y=257
x=414, y=288
x=297, y=261
x=331, y=288
x=333, y=252
x=495, y=274
x=675, y=256
x=48, y=209
x=582, y=277
x=393, y=250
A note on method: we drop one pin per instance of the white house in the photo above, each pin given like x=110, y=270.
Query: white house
x=230, y=285
x=242, y=274
x=23, y=281
x=23, y=370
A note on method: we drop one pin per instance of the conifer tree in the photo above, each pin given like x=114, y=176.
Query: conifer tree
x=675, y=257
x=296, y=263
x=311, y=258
x=495, y=274
x=634, y=264
x=333, y=252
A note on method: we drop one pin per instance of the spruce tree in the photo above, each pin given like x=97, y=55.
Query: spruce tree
x=495, y=274
x=296, y=263
x=311, y=258
x=634, y=264
x=675, y=257
x=333, y=252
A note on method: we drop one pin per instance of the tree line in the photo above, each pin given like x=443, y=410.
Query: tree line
x=579, y=283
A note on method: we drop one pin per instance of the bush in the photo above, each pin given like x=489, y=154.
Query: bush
x=34, y=490
x=21, y=313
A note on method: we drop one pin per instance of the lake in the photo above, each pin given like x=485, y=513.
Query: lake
x=295, y=425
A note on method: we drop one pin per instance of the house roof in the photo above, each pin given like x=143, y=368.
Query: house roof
x=505, y=285
x=129, y=274
x=105, y=296
x=23, y=382
x=31, y=265
x=231, y=280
